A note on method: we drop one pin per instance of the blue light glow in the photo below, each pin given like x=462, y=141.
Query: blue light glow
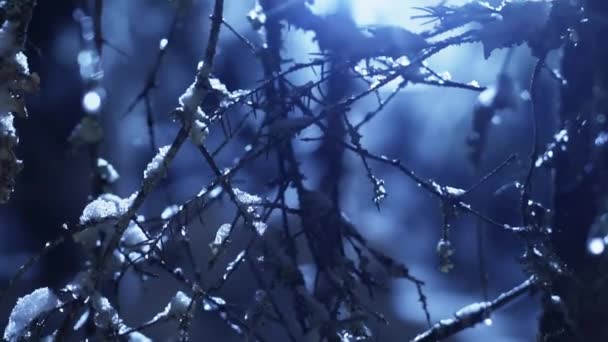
x=385, y=12
x=91, y=101
x=596, y=246
x=380, y=12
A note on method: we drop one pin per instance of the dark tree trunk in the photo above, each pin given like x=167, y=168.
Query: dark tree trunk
x=580, y=187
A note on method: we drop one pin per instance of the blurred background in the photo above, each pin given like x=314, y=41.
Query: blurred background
x=426, y=127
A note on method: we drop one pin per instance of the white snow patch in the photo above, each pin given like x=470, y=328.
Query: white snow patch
x=135, y=242
x=472, y=309
x=105, y=207
x=178, y=306
x=27, y=309
x=106, y=171
x=220, y=236
x=246, y=198
x=169, y=212
x=260, y=227
x=199, y=131
x=191, y=98
x=157, y=164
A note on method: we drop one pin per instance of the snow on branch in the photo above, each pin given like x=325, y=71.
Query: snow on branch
x=472, y=314
x=27, y=309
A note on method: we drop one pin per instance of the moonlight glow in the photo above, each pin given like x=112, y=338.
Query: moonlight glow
x=379, y=12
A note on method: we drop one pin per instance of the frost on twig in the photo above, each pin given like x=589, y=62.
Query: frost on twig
x=16, y=81
x=190, y=102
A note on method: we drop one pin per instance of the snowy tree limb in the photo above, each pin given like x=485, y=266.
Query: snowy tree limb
x=473, y=314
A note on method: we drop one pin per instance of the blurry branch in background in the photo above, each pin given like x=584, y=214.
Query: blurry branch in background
x=89, y=133
x=97, y=25
x=151, y=80
x=188, y=113
x=49, y=246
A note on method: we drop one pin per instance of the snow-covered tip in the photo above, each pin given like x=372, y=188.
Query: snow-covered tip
x=379, y=190
x=215, y=192
x=470, y=311
x=199, y=132
x=169, y=212
x=453, y=191
x=447, y=190
x=105, y=207
x=106, y=171
x=260, y=227
x=217, y=85
x=177, y=307
x=27, y=309
x=84, y=317
x=134, y=242
x=246, y=198
x=191, y=98
x=163, y=43
x=21, y=60
x=227, y=97
x=222, y=234
x=257, y=17
x=157, y=165
x=212, y=303
x=180, y=304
